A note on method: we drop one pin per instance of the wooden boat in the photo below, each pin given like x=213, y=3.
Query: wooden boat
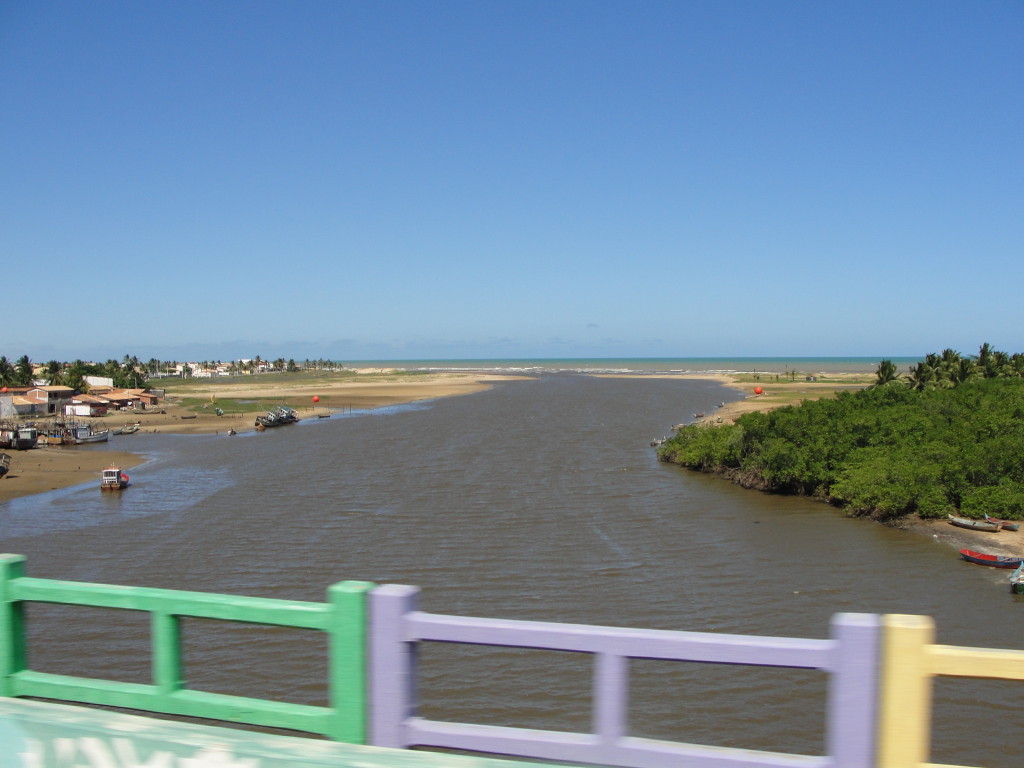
x=1006, y=525
x=85, y=434
x=996, y=561
x=113, y=479
x=974, y=525
x=5, y=464
x=128, y=429
x=1017, y=580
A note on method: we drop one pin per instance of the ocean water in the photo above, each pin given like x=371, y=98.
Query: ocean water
x=649, y=365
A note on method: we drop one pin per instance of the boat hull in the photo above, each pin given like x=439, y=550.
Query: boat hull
x=1006, y=525
x=1017, y=580
x=974, y=525
x=995, y=561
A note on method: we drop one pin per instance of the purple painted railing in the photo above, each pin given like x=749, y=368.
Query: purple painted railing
x=849, y=657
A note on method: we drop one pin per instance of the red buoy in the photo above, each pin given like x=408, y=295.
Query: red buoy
x=758, y=390
x=316, y=398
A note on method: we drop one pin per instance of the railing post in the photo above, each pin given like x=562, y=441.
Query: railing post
x=166, y=644
x=392, y=664
x=904, y=730
x=611, y=697
x=853, y=690
x=347, y=661
x=13, y=653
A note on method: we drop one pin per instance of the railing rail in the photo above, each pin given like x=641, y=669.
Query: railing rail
x=342, y=617
x=910, y=662
x=396, y=627
x=879, y=669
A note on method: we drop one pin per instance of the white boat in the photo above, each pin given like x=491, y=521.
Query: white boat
x=113, y=479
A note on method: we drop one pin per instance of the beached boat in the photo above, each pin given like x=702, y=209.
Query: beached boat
x=8, y=432
x=276, y=416
x=128, y=429
x=113, y=479
x=1017, y=580
x=996, y=561
x=5, y=464
x=974, y=525
x=84, y=434
x=25, y=437
x=1006, y=525
x=267, y=420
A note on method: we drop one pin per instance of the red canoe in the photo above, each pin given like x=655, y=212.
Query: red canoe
x=996, y=561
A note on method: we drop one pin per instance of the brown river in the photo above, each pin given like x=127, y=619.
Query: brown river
x=538, y=500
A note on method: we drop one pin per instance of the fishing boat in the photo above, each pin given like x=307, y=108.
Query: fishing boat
x=84, y=433
x=974, y=525
x=128, y=429
x=5, y=464
x=25, y=437
x=276, y=416
x=113, y=479
x=8, y=432
x=1006, y=525
x=996, y=561
x=1017, y=580
x=269, y=419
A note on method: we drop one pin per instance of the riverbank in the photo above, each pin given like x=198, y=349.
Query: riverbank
x=48, y=468
x=779, y=393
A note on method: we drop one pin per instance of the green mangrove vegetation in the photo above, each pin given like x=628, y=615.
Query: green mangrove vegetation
x=948, y=437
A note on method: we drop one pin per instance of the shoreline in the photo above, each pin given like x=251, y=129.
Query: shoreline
x=49, y=468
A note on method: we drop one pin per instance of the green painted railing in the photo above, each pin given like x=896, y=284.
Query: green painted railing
x=342, y=617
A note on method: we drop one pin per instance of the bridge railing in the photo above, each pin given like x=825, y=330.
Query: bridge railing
x=910, y=662
x=397, y=627
x=342, y=617
x=879, y=670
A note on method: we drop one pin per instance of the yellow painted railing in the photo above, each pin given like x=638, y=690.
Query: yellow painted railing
x=910, y=661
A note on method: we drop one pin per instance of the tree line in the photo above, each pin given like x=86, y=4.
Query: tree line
x=131, y=372
x=947, y=438
x=23, y=373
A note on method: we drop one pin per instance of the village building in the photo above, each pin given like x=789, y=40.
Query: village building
x=87, y=405
x=50, y=399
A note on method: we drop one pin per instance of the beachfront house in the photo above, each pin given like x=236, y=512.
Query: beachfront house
x=87, y=405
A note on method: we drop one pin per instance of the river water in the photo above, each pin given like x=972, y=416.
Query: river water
x=538, y=500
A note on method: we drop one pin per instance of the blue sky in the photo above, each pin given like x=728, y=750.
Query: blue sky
x=455, y=179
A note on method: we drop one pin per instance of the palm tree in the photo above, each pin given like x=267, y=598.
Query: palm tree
x=921, y=376
x=54, y=372
x=6, y=371
x=74, y=376
x=987, y=361
x=1017, y=364
x=23, y=371
x=886, y=373
x=963, y=372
